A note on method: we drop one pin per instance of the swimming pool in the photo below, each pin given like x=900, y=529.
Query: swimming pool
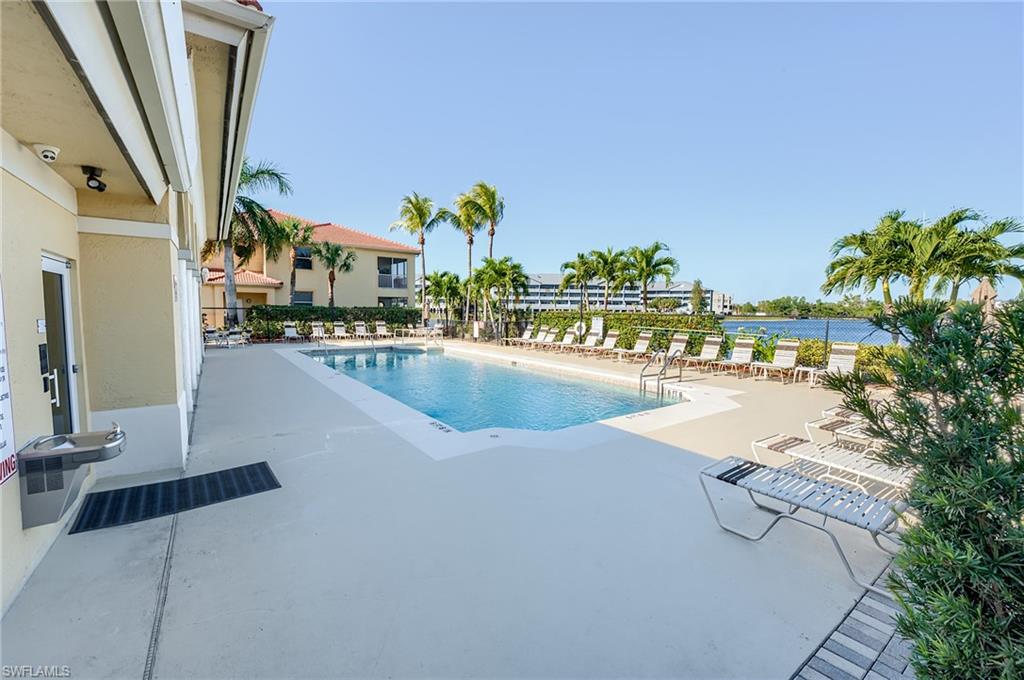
x=469, y=394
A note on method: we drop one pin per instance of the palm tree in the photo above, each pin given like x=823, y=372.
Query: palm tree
x=467, y=222
x=251, y=226
x=869, y=258
x=578, y=273
x=295, y=234
x=444, y=287
x=609, y=266
x=506, y=281
x=967, y=254
x=334, y=257
x=489, y=207
x=646, y=265
x=417, y=217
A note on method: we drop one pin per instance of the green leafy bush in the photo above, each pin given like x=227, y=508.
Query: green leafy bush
x=952, y=412
x=629, y=323
x=267, y=321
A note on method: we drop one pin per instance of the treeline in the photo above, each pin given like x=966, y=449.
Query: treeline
x=791, y=306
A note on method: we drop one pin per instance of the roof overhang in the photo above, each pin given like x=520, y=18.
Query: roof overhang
x=245, y=32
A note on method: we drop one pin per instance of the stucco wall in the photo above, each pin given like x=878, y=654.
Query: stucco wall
x=30, y=225
x=357, y=288
x=130, y=329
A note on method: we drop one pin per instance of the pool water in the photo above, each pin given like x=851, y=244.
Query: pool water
x=468, y=395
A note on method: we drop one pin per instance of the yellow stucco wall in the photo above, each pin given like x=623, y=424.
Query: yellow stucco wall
x=31, y=225
x=357, y=288
x=131, y=320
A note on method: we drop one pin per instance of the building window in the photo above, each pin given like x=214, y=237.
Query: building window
x=392, y=273
x=304, y=258
x=303, y=297
x=392, y=302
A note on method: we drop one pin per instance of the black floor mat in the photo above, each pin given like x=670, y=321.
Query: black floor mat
x=138, y=503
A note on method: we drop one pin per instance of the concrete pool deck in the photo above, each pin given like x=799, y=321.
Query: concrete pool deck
x=375, y=560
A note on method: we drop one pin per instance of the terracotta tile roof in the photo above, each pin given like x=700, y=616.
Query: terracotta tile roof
x=244, y=277
x=346, y=236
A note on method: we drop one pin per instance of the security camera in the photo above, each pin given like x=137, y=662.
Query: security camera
x=92, y=179
x=46, y=152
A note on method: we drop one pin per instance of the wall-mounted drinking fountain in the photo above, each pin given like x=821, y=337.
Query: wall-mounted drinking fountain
x=54, y=467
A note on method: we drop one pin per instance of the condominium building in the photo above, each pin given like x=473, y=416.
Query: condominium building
x=124, y=126
x=721, y=303
x=543, y=294
x=381, y=275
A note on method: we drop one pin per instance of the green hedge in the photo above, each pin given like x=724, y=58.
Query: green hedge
x=393, y=316
x=628, y=324
x=870, y=358
x=267, y=321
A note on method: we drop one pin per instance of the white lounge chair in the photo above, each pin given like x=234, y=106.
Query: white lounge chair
x=361, y=332
x=607, y=347
x=708, y=353
x=639, y=349
x=339, y=332
x=842, y=358
x=589, y=342
x=317, y=332
x=782, y=364
x=527, y=334
x=800, y=492
x=677, y=347
x=742, y=355
x=567, y=342
x=291, y=332
x=381, y=330
x=546, y=339
x=847, y=462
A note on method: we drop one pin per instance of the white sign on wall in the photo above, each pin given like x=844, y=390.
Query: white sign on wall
x=8, y=455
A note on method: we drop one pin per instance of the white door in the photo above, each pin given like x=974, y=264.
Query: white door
x=57, y=354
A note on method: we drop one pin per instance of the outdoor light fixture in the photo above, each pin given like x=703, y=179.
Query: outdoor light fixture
x=204, y=274
x=92, y=178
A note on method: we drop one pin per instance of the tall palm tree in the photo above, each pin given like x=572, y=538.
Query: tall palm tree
x=578, y=273
x=646, y=265
x=251, y=226
x=294, y=234
x=609, y=266
x=487, y=204
x=417, y=217
x=468, y=223
x=869, y=258
x=334, y=257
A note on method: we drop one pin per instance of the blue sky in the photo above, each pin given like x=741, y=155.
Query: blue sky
x=745, y=136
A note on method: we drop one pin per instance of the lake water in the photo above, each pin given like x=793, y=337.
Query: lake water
x=839, y=330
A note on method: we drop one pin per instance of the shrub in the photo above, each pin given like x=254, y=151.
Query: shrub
x=629, y=323
x=952, y=412
x=267, y=321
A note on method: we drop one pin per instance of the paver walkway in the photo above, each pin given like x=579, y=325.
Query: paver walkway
x=865, y=645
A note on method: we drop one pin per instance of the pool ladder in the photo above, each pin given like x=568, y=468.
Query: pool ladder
x=661, y=370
